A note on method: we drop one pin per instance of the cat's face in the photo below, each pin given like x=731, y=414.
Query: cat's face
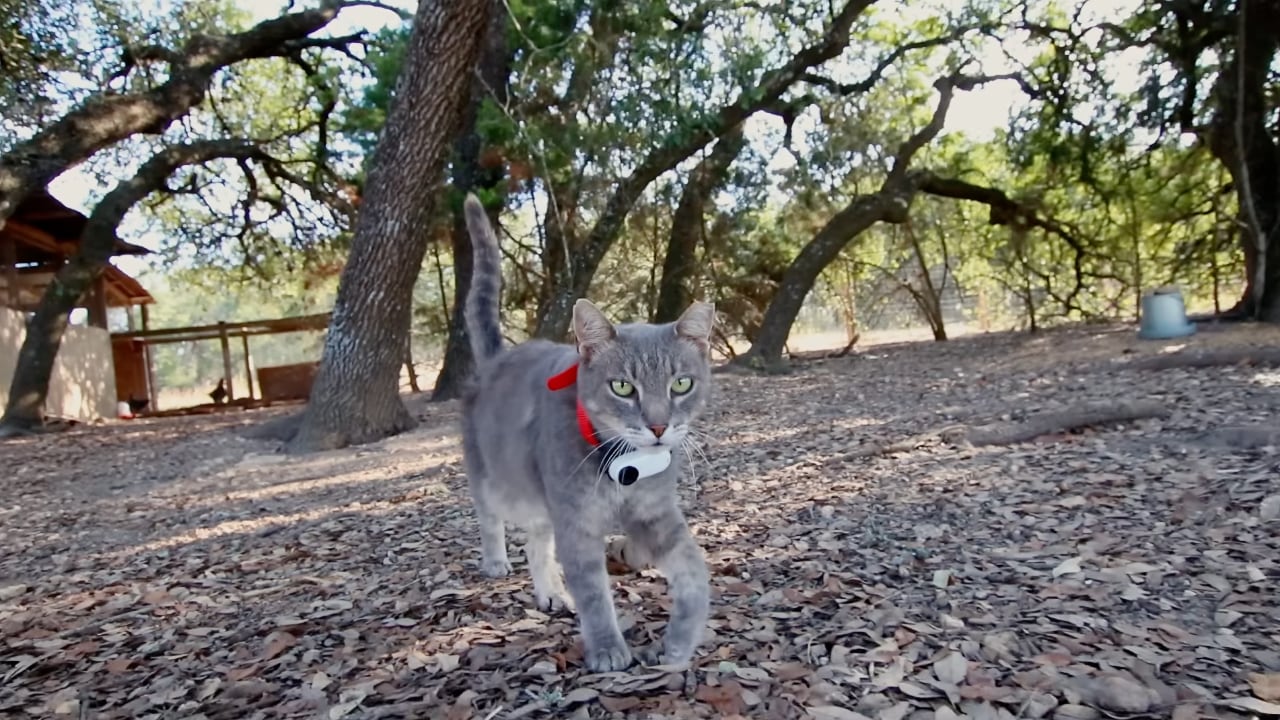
x=644, y=383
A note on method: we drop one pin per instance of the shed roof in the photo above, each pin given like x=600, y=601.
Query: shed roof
x=45, y=233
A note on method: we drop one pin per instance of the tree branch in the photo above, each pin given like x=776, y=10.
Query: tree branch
x=1004, y=210
x=104, y=120
x=554, y=318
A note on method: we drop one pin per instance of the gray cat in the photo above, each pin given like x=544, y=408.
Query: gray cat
x=536, y=456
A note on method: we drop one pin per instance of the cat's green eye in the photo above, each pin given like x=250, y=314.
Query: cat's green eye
x=622, y=388
x=682, y=385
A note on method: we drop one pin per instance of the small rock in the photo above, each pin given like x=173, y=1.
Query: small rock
x=1075, y=712
x=543, y=667
x=1269, y=509
x=1038, y=705
x=10, y=592
x=1122, y=694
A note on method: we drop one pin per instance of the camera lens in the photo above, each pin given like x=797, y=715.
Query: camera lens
x=628, y=475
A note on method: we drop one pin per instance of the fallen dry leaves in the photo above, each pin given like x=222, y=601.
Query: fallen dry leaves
x=170, y=568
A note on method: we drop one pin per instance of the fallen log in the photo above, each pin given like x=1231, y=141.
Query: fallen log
x=1029, y=428
x=1044, y=423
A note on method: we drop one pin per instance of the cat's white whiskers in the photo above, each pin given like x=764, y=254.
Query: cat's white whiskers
x=693, y=472
x=598, y=448
x=697, y=439
x=615, y=449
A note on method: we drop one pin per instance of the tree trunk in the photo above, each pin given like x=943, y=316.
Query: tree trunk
x=107, y=118
x=1239, y=130
x=558, y=247
x=862, y=213
x=356, y=396
x=30, y=385
x=687, y=227
x=890, y=203
x=929, y=298
x=469, y=172
x=556, y=310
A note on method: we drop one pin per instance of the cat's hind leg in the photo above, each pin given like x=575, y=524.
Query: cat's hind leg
x=549, y=593
x=493, y=541
x=493, y=536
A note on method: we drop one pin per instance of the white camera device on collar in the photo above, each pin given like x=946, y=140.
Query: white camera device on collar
x=636, y=465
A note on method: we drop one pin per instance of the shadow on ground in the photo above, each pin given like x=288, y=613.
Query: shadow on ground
x=173, y=568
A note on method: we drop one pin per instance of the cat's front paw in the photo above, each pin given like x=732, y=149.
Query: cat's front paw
x=495, y=567
x=553, y=602
x=676, y=652
x=609, y=657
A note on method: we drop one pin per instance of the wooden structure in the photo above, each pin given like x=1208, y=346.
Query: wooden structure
x=35, y=242
x=288, y=382
x=39, y=237
x=280, y=383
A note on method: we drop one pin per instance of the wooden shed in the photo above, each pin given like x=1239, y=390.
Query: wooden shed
x=90, y=375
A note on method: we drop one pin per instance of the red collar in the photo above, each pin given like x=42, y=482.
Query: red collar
x=562, y=380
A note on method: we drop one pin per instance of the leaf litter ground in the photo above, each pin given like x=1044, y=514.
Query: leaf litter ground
x=171, y=568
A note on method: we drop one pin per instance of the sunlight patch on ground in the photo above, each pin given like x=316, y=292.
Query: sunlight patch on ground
x=264, y=525
x=304, y=485
x=1269, y=378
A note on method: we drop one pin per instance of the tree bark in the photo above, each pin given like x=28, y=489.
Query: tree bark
x=105, y=118
x=356, y=396
x=30, y=385
x=928, y=298
x=687, y=229
x=1239, y=138
x=891, y=203
x=556, y=309
x=470, y=173
x=803, y=272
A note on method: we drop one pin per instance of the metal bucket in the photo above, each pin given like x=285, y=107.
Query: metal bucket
x=1164, y=315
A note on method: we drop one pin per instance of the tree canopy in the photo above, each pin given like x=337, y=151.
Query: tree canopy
x=788, y=162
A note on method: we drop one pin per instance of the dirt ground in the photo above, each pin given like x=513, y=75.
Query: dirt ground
x=173, y=569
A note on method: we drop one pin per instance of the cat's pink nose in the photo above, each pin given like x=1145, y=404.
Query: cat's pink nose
x=658, y=430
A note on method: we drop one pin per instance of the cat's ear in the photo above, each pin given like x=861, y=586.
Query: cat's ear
x=591, y=328
x=696, y=324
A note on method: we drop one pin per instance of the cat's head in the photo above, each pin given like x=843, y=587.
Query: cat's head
x=644, y=383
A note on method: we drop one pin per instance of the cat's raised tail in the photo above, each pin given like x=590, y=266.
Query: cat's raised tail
x=481, y=312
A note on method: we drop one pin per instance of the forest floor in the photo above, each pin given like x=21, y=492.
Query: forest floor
x=874, y=554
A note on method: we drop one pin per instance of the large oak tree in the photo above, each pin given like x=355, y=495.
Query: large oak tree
x=110, y=116
x=356, y=396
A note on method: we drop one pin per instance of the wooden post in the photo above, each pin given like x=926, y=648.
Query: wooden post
x=226, y=358
x=248, y=364
x=9, y=259
x=153, y=393
x=97, y=303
